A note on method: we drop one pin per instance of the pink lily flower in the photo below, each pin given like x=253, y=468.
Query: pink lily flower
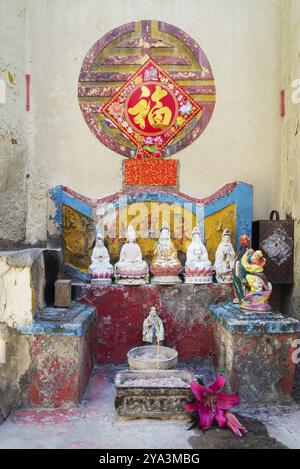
x=211, y=404
x=234, y=425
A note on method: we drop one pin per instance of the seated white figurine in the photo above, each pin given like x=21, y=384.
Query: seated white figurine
x=225, y=259
x=198, y=268
x=131, y=269
x=100, y=269
x=165, y=265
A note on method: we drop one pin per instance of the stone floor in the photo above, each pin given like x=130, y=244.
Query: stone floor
x=93, y=424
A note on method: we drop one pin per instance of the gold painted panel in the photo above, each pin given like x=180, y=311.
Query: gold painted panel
x=147, y=218
x=214, y=226
x=78, y=238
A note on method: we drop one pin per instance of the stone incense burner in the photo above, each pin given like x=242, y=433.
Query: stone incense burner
x=151, y=357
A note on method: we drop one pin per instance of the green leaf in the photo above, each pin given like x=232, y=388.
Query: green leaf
x=199, y=380
x=151, y=148
x=194, y=425
x=195, y=420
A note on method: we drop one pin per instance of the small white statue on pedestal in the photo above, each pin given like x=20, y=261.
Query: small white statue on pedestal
x=100, y=269
x=153, y=328
x=225, y=259
x=131, y=269
x=198, y=268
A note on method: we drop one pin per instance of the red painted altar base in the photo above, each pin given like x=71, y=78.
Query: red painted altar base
x=62, y=368
x=62, y=356
x=122, y=309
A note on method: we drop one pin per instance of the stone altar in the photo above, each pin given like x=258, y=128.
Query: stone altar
x=153, y=391
x=62, y=355
x=121, y=310
x=255, y=351
x=163, y=400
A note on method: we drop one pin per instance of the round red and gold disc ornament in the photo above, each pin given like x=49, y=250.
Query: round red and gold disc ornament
x=146, y=89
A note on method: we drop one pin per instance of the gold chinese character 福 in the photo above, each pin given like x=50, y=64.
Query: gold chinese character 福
x=159, y=116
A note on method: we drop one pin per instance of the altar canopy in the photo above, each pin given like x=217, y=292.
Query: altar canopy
x=73, y=217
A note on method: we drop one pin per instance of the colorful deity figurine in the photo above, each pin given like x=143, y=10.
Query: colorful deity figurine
x=131, y=269
x=198, y=268
x=225, y=259
x=100, y=269
x=165, y=265
x=250, y=283
x=244, y=246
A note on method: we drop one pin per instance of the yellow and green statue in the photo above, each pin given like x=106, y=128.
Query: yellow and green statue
x=250, y=283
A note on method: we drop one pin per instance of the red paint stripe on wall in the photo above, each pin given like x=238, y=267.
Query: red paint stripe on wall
x=27, y=76
x=282, y=103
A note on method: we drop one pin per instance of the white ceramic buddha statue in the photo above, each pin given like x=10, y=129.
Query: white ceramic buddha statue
x=100, y=269
x=165, y=265
x=198, y=268
x=153, y=328
x=225, y=259
x=131, y=269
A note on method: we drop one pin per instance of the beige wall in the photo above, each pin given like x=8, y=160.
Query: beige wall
x=14, y=129
x=241, y=39
x=290, y=170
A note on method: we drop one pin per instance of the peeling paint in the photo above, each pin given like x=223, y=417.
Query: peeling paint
x=22, y=279
x=255, y=350
x=183, y=309
x=10, y=79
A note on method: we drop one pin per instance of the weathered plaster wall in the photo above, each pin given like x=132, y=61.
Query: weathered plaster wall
x=13, y=369
x=14, y=149
x=290, y=171
x=241, y=39
x=22, y=283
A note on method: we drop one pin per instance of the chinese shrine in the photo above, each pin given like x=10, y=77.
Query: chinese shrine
x=139, y=265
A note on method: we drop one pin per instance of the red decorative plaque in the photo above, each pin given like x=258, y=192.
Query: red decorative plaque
x=151, y=109
x=152, y=172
